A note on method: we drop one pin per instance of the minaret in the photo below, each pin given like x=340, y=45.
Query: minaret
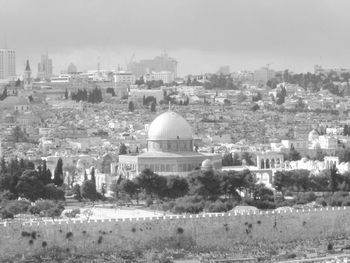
x=27, y=78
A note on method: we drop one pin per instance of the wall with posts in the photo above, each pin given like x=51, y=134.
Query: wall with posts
x=211, y=231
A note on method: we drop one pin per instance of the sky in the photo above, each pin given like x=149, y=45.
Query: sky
x=201, y=35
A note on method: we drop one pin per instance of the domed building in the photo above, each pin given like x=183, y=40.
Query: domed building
x=170, y=150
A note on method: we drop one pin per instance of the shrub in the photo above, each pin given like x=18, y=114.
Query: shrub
x=149, y=201
x=189, y=204
x=304, y=198
x=321, y=201
x=17, y=206
x=5, y=214
x=53, y=193
x=47, y=208
x=216, y=207
x=73, y=213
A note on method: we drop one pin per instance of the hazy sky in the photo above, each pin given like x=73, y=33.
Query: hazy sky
x=200, y=34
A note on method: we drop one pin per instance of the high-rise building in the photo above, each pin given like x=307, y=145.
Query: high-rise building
x=45, y=67
x=72, y=69
x=7, y=63
x=263, y=75
x=159, y=63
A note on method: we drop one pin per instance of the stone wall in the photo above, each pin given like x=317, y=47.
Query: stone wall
x=211, y=231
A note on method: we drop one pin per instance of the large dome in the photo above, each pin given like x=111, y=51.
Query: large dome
x=169, y=126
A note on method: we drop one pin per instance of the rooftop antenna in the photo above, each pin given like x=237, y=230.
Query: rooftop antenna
x=98, y=64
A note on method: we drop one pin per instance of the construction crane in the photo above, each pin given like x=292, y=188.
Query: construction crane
x=127, y=63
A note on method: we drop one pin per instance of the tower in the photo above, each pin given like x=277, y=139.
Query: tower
x=7, y=63
x=27, y=78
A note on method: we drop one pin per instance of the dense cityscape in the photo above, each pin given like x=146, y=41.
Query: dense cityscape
x=140, y=141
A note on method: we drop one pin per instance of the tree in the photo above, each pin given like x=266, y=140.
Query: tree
x=88, y=190
x=85, y=176
x=52, y=192
x=3, y=166
x=93, y=178
x=176, y=187
x=18, y=135
x=333, y=179
x=58, y=174
x=4, y=94
x=319, y=154
x=29, y=186
x=18, y=83
x=205, y=184
x=343, y=154
x=227, y=160
x=293, y=155
x=76, y=192
x=131, y=106
x=188, y=82
x=255, y=107
x=148, y=180
x=111, y=91
x=247, y=157
x=129, y=187
x=122, y=149
x=153, y=107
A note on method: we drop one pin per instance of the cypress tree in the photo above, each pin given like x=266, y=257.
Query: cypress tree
x=3, y=165
x=93, y=178
x=58, y=174
x=92, y=173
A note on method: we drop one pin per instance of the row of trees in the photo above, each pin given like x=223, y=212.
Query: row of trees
x=315, y=82
x=209, y=185
x=88, y=188
x=93, y=96
x=3, y=94
x=237, y=159
x=221, y=81
x=153, y=84
x=21, y=179
x=302, y=181
x=220, y=191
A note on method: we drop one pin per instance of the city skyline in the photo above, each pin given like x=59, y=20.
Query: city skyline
x=246, y=34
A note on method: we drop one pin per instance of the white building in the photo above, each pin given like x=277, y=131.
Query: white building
x=124, y=77
x=63, y=78
x=165, y=76
x=7, y=63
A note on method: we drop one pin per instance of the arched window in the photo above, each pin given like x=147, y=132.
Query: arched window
x=278, y=162
x=273, y=163
x=262, y=163
x=267, y=164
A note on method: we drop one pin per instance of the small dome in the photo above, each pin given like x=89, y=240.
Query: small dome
x=207, y=165
x=313, y=135
x=170, y=126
